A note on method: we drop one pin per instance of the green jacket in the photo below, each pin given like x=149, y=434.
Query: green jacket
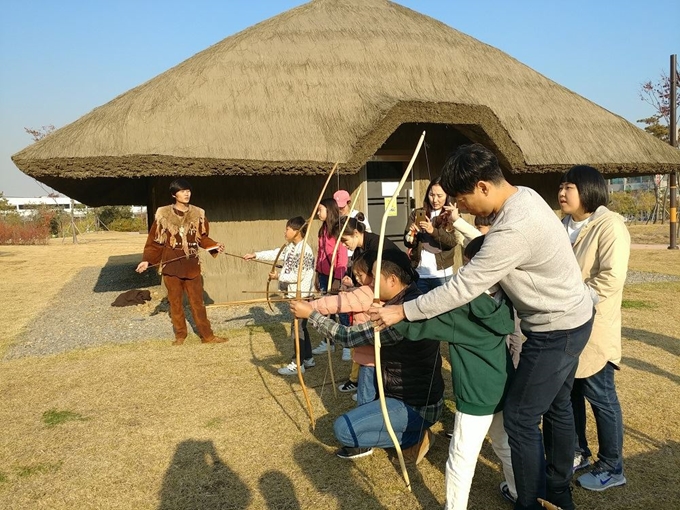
x=480, y=362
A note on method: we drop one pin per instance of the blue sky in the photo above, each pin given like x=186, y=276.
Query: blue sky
x=60, y=59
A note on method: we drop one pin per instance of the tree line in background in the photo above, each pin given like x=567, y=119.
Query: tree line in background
x=45, y=222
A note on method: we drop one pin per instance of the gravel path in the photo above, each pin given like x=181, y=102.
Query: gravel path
x=82, y=316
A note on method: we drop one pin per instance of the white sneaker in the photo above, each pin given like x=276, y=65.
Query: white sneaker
x=291, y=369
x=346, y=354
x=308, y=363
x=323, y=348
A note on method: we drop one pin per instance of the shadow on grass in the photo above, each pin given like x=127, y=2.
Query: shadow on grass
x=332, y=475
x=667, y=343
x=652, y=369
x=278, y=491
x=118, y=275
x=197, y=479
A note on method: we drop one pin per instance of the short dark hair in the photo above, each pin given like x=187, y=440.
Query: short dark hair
x=473, y=247
x=468, y=165
x=298, y=223
x=179, y=185
x=483, y=221
x=364, y=262
x=591, y=186
x=397, y=263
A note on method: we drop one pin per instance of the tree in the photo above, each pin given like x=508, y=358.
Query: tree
x=4, y=203
x=658, y=94
x=39, y=134
x=623, y=203
x=110, y=213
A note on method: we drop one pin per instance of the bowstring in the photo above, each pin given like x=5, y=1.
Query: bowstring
x=429, y=389
x=427, y=162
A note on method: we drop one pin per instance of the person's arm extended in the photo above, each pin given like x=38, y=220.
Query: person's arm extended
x=206, y=242
x=469, y=231
x=613, y=251
x=356, y=300
x=268, y=255
x=503, y=250
x=351, y=336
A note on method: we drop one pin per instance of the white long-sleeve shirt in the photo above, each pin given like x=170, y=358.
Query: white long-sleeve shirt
x=290, y=261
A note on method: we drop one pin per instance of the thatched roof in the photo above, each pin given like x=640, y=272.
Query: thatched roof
x=330, y=81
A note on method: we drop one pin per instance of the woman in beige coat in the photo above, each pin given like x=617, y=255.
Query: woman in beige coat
x=602, y=246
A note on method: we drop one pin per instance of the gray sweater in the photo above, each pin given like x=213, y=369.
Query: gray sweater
x=528, y=252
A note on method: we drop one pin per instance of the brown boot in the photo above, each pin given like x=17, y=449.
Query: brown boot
x=214, y=340
x=416, y=453
x=178, y=341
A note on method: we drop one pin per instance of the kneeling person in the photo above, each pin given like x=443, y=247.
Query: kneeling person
x=414, y=387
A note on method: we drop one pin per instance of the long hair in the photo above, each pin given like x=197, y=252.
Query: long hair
x=332, y=222
x=445, y=215
x=353, y=225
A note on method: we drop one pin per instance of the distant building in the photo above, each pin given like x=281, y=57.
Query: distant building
x=637, y=183
x=25, y=206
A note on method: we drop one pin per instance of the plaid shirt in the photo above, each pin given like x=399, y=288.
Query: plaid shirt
x=363, y=334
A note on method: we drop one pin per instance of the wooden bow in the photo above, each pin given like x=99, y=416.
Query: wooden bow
x=330, y=283
x=269, y=278
x=298, y=295
x=376, y=300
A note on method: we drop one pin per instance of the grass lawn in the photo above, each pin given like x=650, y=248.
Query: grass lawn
x=150, y=426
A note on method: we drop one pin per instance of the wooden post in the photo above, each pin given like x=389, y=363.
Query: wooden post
x=673, y=178
x=73, y=223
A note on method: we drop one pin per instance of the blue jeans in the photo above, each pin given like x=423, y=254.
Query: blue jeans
x=599, y=389
x=541, y=388
x=425, y=285
x=364, y=427
x=366, y=385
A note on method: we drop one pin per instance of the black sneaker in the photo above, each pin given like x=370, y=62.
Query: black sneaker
x=347, y=452
x=505, y=492
x=348, y=387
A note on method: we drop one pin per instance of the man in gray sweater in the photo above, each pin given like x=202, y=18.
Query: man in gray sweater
x=528, y=252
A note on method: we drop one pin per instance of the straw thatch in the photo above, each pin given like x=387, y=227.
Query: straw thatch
x=330, y=81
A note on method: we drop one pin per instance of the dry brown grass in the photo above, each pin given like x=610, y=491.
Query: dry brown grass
x=34, y=275
x=650, y=234
x=214, y=426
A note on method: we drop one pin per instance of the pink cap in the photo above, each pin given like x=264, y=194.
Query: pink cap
x=341, y=198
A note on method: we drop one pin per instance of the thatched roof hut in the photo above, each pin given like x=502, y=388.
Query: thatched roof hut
x=330, y=81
